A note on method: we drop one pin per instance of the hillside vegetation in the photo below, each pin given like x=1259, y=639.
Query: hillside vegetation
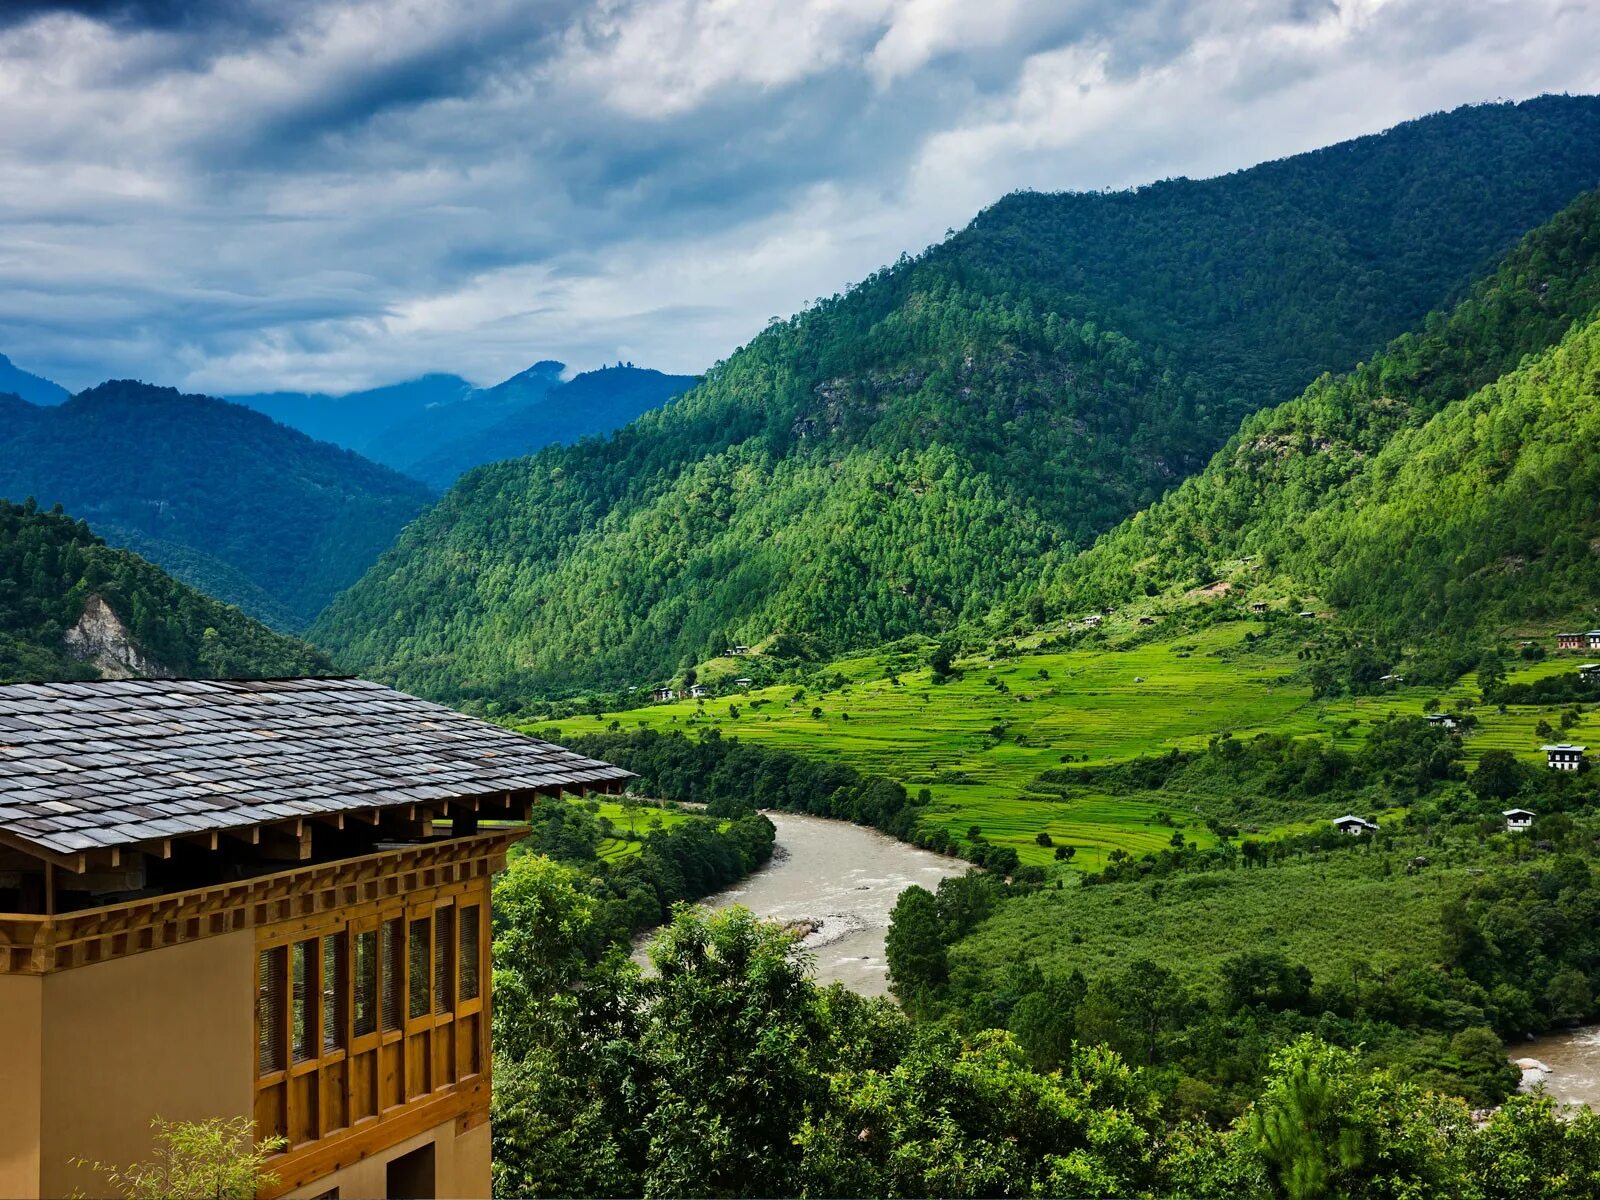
x=50, y=568
x=209, y=490
x=1387, y=490
x=907, y=455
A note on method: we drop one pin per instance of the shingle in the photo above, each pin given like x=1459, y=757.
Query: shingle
x=138, y=759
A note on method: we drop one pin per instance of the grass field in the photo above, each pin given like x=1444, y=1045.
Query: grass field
x=647, y=817
x=978, y=741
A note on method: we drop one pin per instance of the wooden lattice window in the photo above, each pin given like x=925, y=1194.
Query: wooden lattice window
x=471, y=914
x=335, y=992
x=364, y=971
x=303, y=985
x=394, y=972
x=444, y=959
x=417, y=967
x=270, y=974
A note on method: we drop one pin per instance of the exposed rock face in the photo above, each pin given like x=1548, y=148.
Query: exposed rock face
x=102, y=640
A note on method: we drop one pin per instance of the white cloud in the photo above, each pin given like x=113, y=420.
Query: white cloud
x=333, y=194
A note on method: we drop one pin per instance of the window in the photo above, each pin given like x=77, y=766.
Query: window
x=394, y=961
x=444, y=959
x=365, y=970
x=469, y=951
x=335, y=992
x=303, y=1023
x=269, y=1011
x=418, y=965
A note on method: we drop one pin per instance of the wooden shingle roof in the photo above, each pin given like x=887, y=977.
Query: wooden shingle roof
x=114, y=762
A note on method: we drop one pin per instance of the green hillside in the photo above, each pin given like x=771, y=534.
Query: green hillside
x=211, y=491
x=50, y=568
x=1388, y=491
x=906, y=455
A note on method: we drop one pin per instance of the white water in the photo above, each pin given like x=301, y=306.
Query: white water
x=1573, y=1059
x=844, y=878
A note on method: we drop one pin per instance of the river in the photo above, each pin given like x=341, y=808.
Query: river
x=1573, y=1059
x=845, y=879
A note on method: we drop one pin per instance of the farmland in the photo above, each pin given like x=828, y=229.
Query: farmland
x=978, y=740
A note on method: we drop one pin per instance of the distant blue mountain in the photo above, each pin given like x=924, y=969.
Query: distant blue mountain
x=357, y=420
x=595, y=402
x=33, y=388
x=437, y=426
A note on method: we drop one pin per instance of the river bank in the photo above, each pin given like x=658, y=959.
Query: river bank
x=841, y=880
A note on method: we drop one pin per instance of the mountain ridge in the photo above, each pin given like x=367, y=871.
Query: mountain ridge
x=904, y=456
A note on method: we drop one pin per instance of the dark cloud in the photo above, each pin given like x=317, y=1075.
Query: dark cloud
x=334, y=193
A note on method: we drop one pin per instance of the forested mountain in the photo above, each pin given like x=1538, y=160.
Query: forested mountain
x=72, y=607
x=593, y=402
x=1446, y=484
x=231, y=502
x=907, y=454
x=33, y=388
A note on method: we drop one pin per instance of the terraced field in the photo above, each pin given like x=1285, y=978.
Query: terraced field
x=978, y=741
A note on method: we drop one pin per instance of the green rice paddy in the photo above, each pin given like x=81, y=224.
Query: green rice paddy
x=978, y=741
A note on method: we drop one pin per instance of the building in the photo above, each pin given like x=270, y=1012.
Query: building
x=1570, y=641
x=1564, y=756
x=259, y=898
x=698, y=691
x=1592, y=639
x=1589, y=672
x=1355, y=826
x=663, y=695
x=1442, y=720
x=738, y=651
x=1517, y=819
x=1147, y=620
x=743, y=682
x=1393, y=680
x=1258, y=606
x=1092, y=620
x=1305, y=614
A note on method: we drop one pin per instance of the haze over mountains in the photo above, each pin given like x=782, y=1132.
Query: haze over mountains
x=437, y=426
x=919, y=451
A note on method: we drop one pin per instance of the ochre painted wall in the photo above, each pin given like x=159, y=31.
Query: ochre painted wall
x=21, y=1009
x=461, y=1167
x=167, y=1033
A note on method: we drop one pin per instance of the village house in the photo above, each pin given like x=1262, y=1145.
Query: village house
x=1392, y=679
x=1442, y=720
x=1355, y=826
x=698, y=691
x=1091, y=621
x=743, y=682
x=1569, y=641
x=1564, y=756
x=1147, y=620
x=738, y=651
x=663, y=695
x=1305, y=614
x=262, y=899
x=1589, y=672
x=1258, y=606
x=1592, y=639
x=1517, y=819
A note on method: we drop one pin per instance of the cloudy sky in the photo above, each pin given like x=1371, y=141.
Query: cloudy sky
x=330, y=194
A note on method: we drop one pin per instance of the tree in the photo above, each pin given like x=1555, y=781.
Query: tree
x=914, y=945
x=1065, y=853
x=1043, y=839
x=1499, y=775
x=218, y=1159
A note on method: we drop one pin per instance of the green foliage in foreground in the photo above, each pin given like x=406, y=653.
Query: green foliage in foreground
x=218, y=1159
x=726, y=1071
x=50, y=564
x=905, y=456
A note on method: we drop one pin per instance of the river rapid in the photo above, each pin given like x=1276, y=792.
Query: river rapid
x=843, y=879
x=1570, y=1062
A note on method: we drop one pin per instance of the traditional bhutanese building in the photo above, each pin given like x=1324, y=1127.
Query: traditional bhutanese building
x=255, y=898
